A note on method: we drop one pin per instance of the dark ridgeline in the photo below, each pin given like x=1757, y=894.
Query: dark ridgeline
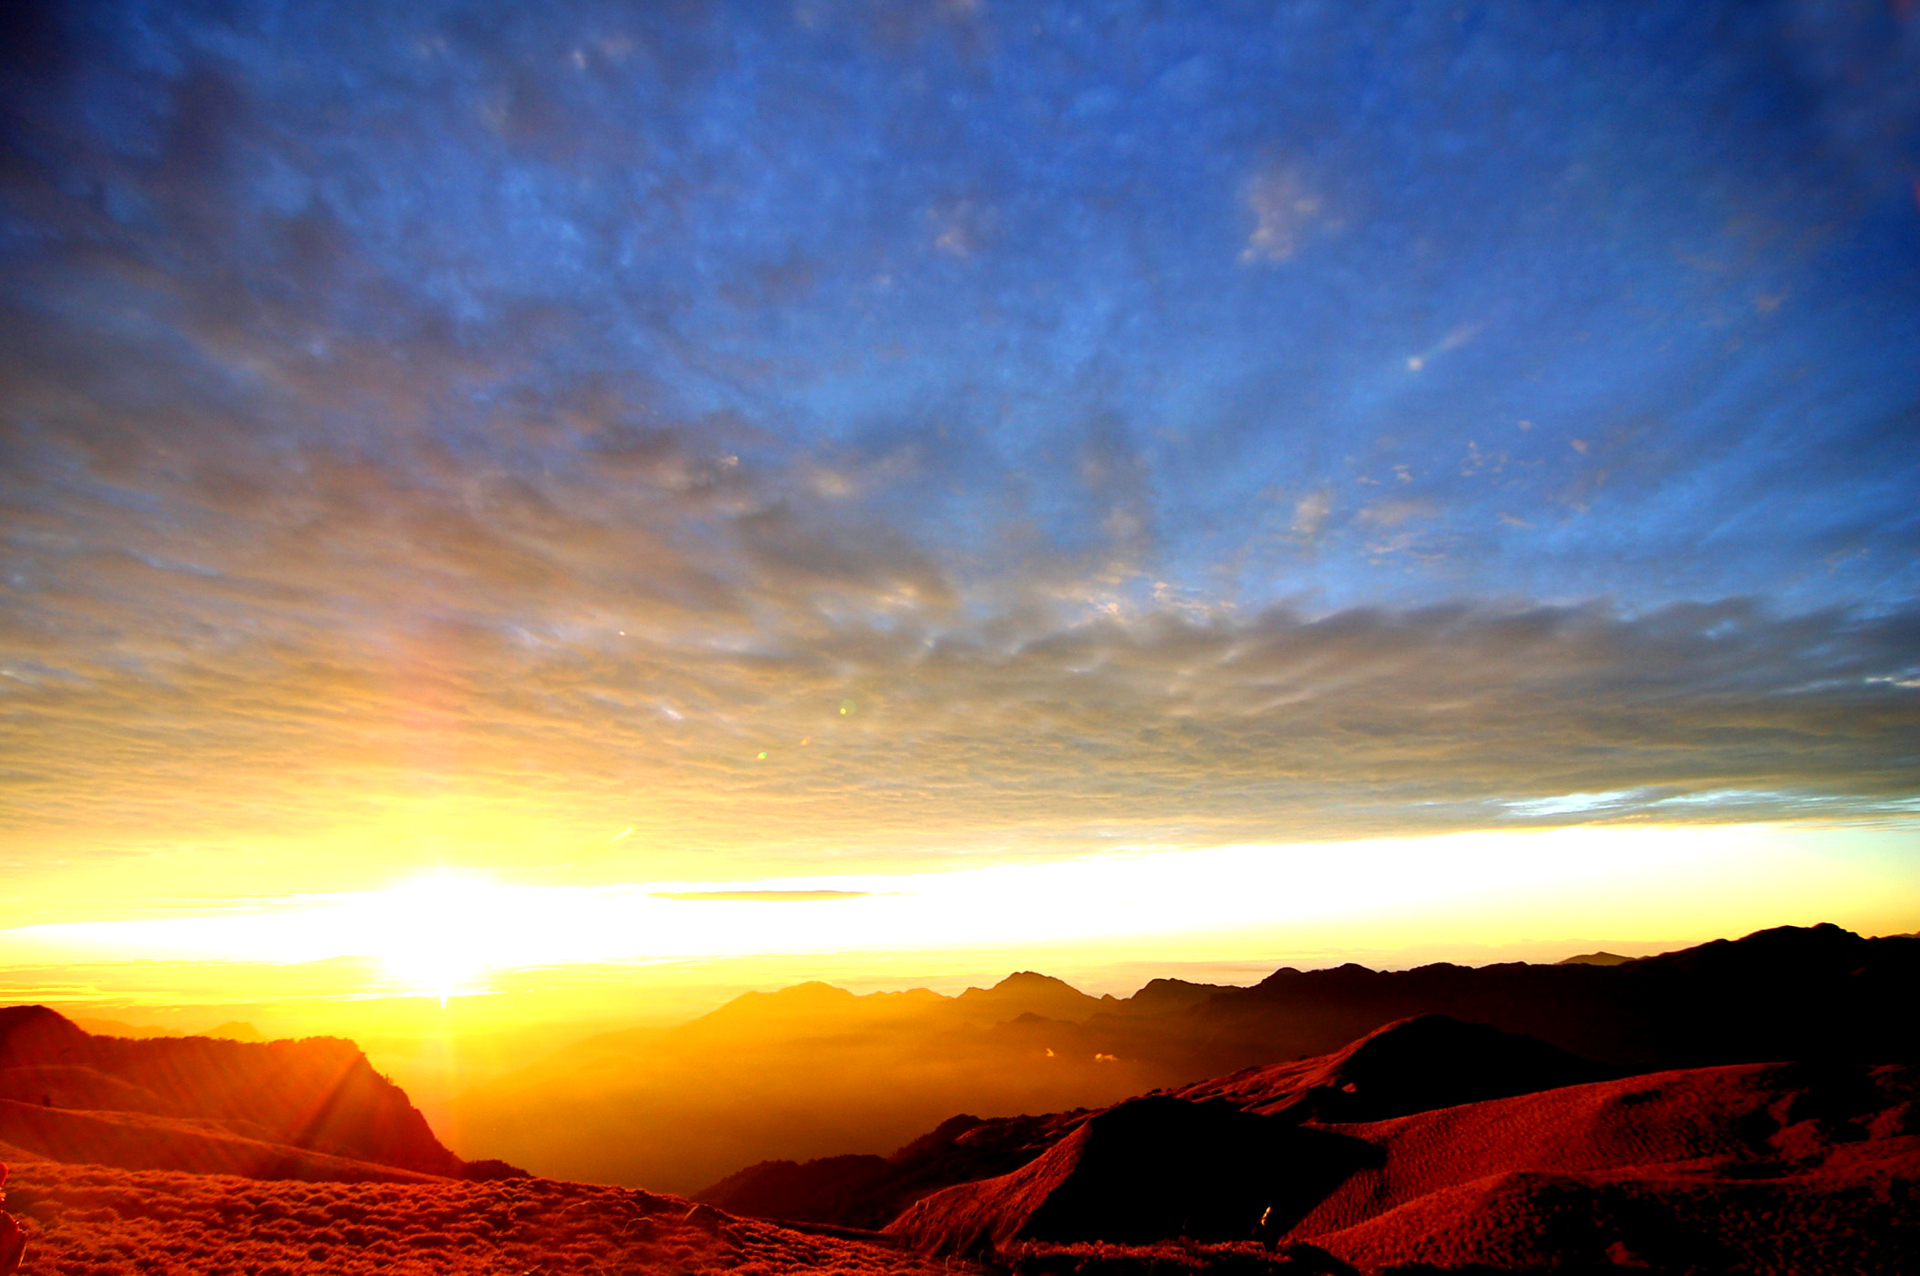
x=1788, y=993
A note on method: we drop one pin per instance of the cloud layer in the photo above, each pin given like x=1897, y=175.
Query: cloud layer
x=849, y=435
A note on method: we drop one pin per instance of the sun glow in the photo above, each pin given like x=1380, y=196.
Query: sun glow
x=444, y=932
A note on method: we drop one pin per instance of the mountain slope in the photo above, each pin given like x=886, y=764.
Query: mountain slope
x=1413, y=1065
x=141, y=1141
x=317, y=1096
x=1790, y=1168
x=1145, y=1170
x=1754, y=1120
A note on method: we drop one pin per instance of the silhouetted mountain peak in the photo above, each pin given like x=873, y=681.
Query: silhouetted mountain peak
x=1029, y=992
x=1032, y=981
x=1594, y=959
x=812, y=990
x=1779, y=951
x=1345, y=973
x=812, y=997
x=1158, y=996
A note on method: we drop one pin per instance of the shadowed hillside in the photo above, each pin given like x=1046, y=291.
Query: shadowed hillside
x=1414, y=1065
x=282, y=1109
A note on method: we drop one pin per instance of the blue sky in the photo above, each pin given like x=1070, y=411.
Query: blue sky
x=1157, y=423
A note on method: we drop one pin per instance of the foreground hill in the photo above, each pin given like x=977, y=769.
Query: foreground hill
x=1795, y=1167
x=1765, y=1168
x=312, y=1109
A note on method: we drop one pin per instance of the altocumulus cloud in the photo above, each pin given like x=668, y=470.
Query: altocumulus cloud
x=887, y=436
x=901, y=727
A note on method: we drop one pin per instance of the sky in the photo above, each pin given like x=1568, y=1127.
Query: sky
x=850, y=452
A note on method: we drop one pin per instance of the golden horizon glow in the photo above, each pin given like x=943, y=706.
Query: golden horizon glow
x=442, y=932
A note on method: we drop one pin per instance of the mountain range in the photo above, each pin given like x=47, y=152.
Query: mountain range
x=815, y=1072
x=1750, y=1106
x=1433, y=1144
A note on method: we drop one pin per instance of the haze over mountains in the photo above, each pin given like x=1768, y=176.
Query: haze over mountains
x=683, y=1107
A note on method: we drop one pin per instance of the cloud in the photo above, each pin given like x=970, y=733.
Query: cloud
x=1392, y=513
x=1283, y=210
x=1310, y=513
x=290, y=695
x=465, y=433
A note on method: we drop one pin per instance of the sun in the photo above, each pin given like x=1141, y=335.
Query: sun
x=439, y=933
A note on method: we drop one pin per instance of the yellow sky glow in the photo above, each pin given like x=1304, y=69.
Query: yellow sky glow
x=443, y=931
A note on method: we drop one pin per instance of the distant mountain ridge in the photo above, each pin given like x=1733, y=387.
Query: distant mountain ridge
x=807, y=1067
x=815, y=1071
x=313, y=1108
x=1816, y=992
x=1594, y=959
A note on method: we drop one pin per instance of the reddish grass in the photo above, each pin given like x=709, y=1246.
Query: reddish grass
x=86, y=1220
